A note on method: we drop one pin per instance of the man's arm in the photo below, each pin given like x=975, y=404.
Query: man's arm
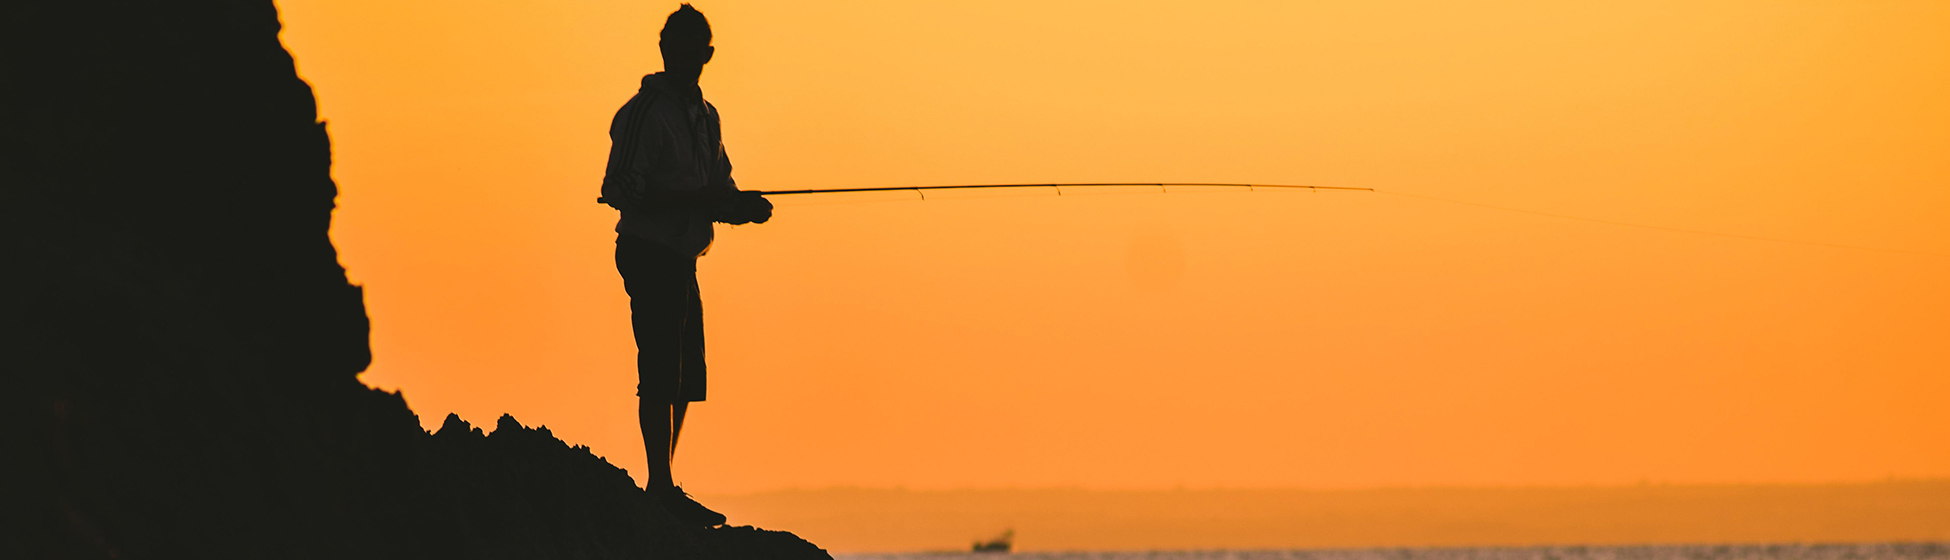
x=648, y=147
x=719, y=190
x=737, y=207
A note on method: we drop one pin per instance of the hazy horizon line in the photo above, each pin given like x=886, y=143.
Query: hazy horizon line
x=1689, y=544
x=1333, y=489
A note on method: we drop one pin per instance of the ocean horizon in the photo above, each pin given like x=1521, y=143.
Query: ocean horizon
x=1774, y=551
x=1507, y=523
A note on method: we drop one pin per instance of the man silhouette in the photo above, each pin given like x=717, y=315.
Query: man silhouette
x=669, y=177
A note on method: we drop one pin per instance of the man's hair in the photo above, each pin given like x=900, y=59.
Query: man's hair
x=686, y=26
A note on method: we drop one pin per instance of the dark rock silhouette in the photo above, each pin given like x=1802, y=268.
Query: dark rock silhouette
x=180, y=345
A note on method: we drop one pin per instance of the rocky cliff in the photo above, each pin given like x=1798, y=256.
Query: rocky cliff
x=180, y=344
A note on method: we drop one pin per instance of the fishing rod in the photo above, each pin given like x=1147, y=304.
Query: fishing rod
x=1059, y=187
x=922, y=189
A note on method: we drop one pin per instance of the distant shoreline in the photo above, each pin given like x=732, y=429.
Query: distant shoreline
x=862, y=520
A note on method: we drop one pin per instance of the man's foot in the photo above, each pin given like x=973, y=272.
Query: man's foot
x=687, y=510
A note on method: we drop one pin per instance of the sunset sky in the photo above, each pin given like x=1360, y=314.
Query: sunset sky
x=1200, y=339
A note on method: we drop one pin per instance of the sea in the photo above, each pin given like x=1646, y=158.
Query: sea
x=1874, y=551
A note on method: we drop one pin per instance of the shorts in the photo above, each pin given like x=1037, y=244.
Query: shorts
x=667, y=316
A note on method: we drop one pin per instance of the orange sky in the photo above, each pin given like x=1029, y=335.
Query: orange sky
x=1324, y=340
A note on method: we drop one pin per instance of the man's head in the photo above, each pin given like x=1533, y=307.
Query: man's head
x=686, y=42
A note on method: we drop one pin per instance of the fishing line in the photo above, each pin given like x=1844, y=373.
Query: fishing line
x=1164, y=188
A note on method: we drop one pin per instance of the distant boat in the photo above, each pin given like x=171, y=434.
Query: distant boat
x=1001, y=543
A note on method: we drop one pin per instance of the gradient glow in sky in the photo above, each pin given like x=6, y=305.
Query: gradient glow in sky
x=1228, y=339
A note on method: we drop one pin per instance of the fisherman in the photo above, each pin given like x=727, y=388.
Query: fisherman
x=669, y=177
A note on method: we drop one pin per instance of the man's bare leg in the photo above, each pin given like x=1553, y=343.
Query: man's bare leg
x=676, y=426
x=661, y=424
x=667, y=420
x=659, y=438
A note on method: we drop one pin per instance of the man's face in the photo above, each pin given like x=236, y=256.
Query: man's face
x=685, y=55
